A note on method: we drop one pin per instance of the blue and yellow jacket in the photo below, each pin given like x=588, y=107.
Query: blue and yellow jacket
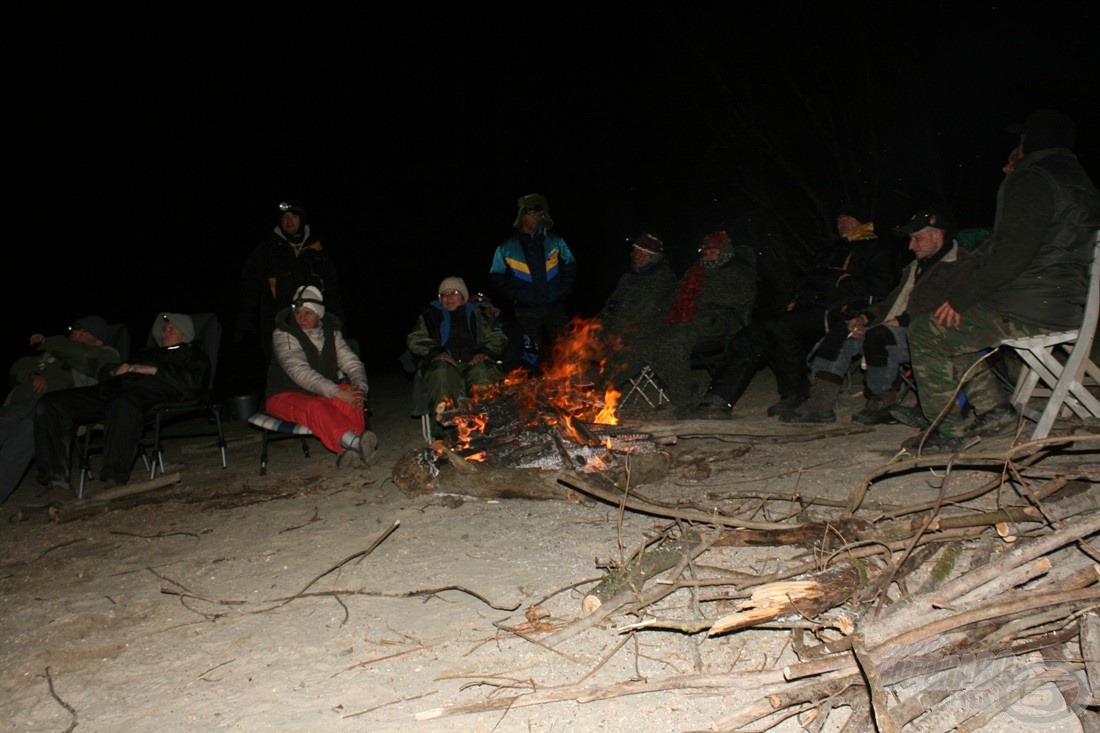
x=534, y=271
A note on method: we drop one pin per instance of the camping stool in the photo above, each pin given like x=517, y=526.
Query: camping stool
x=642, y=384
x=272, y=428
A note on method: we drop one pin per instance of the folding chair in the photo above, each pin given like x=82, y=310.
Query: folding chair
x=420, y=403
x=1060, y=360
x=272, y=428
x=641, y=385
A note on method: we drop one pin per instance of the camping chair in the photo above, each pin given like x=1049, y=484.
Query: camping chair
x=1060, y=360
x=420, y=403
x=272, y=428
x=208, y=333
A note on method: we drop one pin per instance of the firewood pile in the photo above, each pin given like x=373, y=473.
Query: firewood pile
x=932, y=617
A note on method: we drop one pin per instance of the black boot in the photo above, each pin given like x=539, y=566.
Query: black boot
x=820, y=406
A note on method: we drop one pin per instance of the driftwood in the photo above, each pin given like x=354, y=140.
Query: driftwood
x=114, y=498
x=643, y=566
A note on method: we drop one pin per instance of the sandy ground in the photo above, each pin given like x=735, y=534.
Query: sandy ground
x=235, y=602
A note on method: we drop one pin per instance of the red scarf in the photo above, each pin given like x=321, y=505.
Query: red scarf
x=683, y=307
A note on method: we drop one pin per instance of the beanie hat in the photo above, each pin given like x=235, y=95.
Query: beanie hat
x=93, y=325
x=651, y=244
x=308, y=296
x=182, y=322
x=533, y=201
x=1046, y=128
x=454, y=283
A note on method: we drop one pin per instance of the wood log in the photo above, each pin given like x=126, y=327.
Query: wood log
x=646, y=564
x=805, y=596
x=108, y=499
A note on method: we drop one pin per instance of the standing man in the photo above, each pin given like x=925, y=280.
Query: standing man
x=289, y=258
x=1032, y=277
x=536, y=271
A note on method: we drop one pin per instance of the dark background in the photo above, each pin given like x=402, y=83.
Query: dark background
x=149, y=147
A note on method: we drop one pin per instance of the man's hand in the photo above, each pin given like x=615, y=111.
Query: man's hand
x=354, y=396
x=477, y=358
x=146, y=369
x=39, y=384
x=37, y=339
x=855, y=326
x=447, y=358
x=945, y=315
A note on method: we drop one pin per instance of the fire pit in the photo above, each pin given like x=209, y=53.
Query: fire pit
x=562, y=419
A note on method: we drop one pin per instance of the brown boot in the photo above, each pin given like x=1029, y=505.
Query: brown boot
x=820, y=406
x=877, y=410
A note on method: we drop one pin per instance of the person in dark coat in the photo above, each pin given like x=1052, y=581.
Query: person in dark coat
x=175, y=370
x=855, y=270
x=289, y=258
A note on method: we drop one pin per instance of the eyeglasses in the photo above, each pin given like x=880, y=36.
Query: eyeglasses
x=450, y=293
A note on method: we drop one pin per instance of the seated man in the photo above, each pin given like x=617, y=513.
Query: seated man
x=456, y=345
x=855, y=268
x=713, y=301
x=67, y=361
x=174, y=370
x=879, y=332
x=636, y=311
x=316, y=380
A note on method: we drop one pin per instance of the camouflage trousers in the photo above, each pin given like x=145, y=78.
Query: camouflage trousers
x=941, y=356
x=450, y=383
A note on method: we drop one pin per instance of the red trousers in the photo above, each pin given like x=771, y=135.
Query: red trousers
x=328, y=418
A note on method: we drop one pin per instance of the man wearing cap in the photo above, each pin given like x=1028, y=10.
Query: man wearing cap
x=63, y=362
x=878, y=332
x=636, y=310
x=317, y=380
x=853, y=270
x=536, y=271
x=1032, y=277
x=173, y=370
x=456, y=345
x=289, y=258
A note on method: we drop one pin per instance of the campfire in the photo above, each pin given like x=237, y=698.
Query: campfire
x=563, y=417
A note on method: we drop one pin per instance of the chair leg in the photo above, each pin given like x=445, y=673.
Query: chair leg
x=221, y=438
x=263, y=454
x=305, y=448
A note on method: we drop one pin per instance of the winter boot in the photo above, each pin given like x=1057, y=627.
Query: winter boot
x=877, y=410
x=820, y=406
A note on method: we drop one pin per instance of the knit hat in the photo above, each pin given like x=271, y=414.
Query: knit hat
x=1046, y=128
x=651, y=244
x=454, y=283
x=93, y=325
x=533, y=201
x=308, y=296
x=182, y=322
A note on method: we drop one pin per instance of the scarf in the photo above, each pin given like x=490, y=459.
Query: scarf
x=683, y=305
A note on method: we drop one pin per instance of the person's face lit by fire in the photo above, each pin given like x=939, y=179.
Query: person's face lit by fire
x=452, y=299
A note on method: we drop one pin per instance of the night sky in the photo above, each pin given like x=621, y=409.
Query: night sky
x=151, y=146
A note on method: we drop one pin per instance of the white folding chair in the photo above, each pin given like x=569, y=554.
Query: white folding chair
x=1060, y=360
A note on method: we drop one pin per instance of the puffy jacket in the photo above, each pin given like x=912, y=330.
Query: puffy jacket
x=534, y=272
x=429, y=336
x=312, y=362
